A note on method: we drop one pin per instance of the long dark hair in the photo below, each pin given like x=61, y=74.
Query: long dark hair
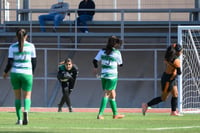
x=112, y=41
x=21, y=33
x=171, y=53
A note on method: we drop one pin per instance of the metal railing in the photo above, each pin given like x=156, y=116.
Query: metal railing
x=44, y=74
x=127, y=22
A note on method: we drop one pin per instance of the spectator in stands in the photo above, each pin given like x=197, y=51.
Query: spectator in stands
x=21, y=63
x=84, y=16
x=67, y=74
x=168, y=80
x=110, y=58
x=56, y=15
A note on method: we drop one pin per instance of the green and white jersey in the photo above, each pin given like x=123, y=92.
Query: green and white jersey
x=109, y=63
x=22, y=61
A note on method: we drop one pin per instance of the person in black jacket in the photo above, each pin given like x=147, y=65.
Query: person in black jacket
x=84, y=15
x=67, y=74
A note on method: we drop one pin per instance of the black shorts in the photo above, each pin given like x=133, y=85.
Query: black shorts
x=166, y=78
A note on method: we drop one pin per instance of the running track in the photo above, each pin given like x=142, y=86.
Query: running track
x=53, y=109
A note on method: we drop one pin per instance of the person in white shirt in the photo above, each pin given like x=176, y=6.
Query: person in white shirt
x=110, y=58
x=21, y=64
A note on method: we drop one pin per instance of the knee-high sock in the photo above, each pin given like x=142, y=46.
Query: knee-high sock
x=27, y=104
x=154, y=101
x=18, y=109
x=104, y=102
x=173, y=103
x=113, y=105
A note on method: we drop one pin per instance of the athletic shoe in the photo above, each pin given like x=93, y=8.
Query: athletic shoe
x=119, y=116
x=25, y=118
x=100, y=117
x=174, y=113
x=70, y=109
x=19, y=122
x=59, y=108
x=144, y=108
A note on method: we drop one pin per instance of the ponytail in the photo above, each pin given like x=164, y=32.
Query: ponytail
x=21, y=33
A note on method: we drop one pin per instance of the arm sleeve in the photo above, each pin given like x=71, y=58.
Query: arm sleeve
x=97, y=58
x=95, y=63
x=178, y=71
x=93, y=7
x=9, y=65
x=73, y=80
x=121, y=65
x=34, y=62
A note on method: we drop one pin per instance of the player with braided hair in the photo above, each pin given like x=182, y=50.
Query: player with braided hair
x=168, y=79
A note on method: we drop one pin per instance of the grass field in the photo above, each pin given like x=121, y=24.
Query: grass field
x=86, y=122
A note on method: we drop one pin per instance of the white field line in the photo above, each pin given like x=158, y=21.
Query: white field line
x=169, y=128
x=77, y=128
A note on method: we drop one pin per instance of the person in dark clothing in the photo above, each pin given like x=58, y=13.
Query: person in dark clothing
x=168, y=79
x=84, y=16
x=67, y=74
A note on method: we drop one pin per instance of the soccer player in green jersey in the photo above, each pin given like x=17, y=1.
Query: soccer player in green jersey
x=110, y=58
x=21, y=64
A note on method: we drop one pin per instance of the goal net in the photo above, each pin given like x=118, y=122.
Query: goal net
x=189, y=81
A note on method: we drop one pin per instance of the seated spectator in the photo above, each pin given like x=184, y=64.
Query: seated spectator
x=84, y=16
x=56, y=14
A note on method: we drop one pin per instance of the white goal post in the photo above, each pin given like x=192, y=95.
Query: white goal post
x=189, y=81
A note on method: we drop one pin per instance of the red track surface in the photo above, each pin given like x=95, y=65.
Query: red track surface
x=123, y=110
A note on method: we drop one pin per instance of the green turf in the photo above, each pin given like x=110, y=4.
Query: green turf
x=41, y=122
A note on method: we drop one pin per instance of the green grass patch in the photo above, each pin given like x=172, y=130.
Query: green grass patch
x=54, y=122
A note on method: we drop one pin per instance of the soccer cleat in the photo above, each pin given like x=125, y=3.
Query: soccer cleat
x=174, y=113
x=119, y=116
x=100, y=117
x=59, y=108
x=70, y=109
x=25, y=118
x=19, y=122
x=144, y=108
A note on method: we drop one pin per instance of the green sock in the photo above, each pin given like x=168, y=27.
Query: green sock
x=18, y=109
x=27, y=105
x=113, y=106
x=104, y=102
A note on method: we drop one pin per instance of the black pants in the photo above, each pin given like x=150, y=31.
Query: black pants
x=65, y=98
